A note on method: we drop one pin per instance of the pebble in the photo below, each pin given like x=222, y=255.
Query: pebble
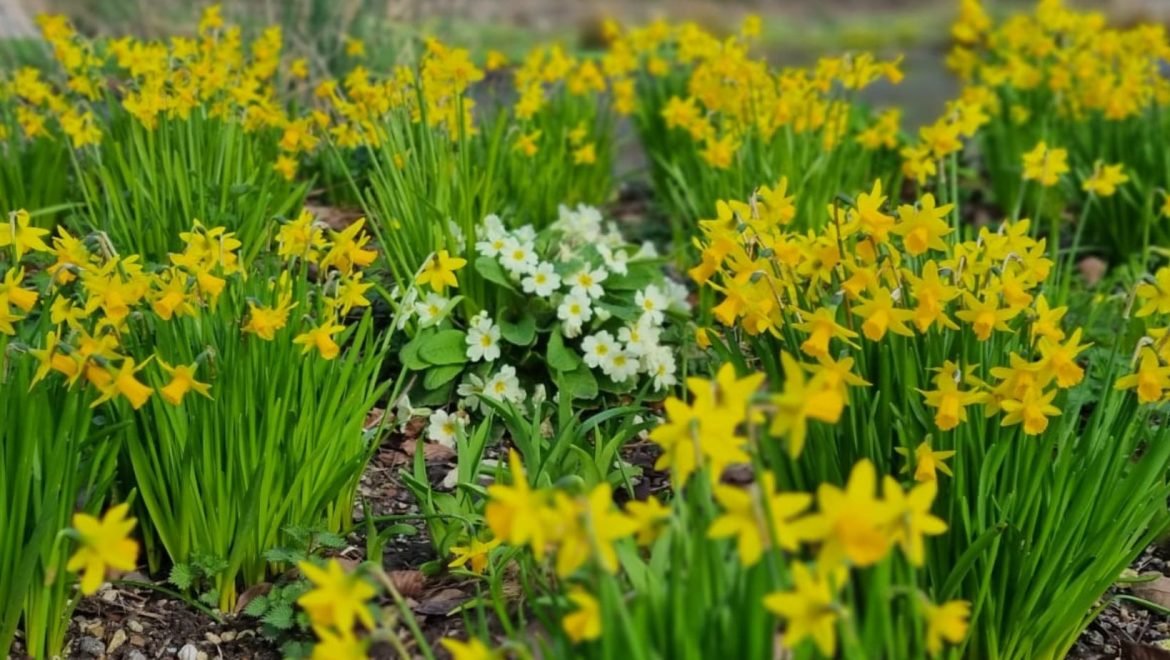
x=213, y=638
x=134, y=655
x=91, y=646
x=188, y=652
x=116, y=641
x=134, y=625
x=229, y=636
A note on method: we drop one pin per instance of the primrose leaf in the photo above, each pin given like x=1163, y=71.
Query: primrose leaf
x=560, y=358
x=521, y=332
x=579, y=383
x=439, y=376
x=444, y=348
x=491, y=271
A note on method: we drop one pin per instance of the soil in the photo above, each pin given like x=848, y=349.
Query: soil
x=1126, y=629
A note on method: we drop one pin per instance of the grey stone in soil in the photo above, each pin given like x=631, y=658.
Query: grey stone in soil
x=90, y=647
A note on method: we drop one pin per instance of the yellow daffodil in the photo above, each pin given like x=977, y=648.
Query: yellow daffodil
x=808, y=610
x=19, y=233
x=338, y=599
x=947, y=622
x=439, y=272
x=104, y=545
x=584, y=623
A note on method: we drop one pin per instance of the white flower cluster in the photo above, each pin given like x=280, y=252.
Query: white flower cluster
x=579, y=286
x=636, y=349
x=588, y=252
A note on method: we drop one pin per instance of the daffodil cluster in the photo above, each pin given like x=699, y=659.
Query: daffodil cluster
x=874, y=275
x=1063, y=83
x=95, y=301
x=716, y=119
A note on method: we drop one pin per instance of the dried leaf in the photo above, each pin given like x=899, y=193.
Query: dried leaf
x=1134, y=651
x=337, y=218
x=250, y=594
x=408, y=583
x=433, y=452
x=442, y=602
x=1092, y=270
x=374, y=418
x=1156, y=591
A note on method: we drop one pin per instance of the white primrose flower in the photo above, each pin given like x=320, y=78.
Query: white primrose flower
x=493, y=226
x=640, y=338
x=504, y=386
x=518, y=257
x=526, y=234
x=620, y=365
x=599, y=348
x=678, y=295
x=659, y=364
x=587, y=282
x=612, y=237
x=431, y=309
x=457, y=234
x=443, y=427
x=647, y=251
x=483, y=339
x=493, y=246
x=580, y=225
x=406, y=308
x=615, y=260
x=404, y=412
x=652, y=302
x=469, y=392
x=543, y=281
x=574, y=311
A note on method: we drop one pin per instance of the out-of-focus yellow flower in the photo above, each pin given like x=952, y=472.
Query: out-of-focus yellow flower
x=584, y=623
x=104, y=545
x=337, y=599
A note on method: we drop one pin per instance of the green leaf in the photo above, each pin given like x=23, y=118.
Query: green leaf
x=439, y=376
x=520, y=333
x=445, y=347
x=409, y=353
x=280, y=616
x=181, y=576
x=283, y=556
x=257, y=606
x=437, y=397
x=491, y=271
x=579, y=383
x=210, y=598
x=560, y=358
x=637, y=277
x=623, y=312
x=330, y=540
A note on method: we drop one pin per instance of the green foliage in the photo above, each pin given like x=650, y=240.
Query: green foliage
x=55, y=458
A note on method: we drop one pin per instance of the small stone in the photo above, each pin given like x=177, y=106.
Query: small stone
x=135, y=655
x=138, y=640
x=91, y=646
x=188, y=652
x=134, y=625
x=116, y=641
x=109, y=595
x=229, y=636
x=213, y=638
